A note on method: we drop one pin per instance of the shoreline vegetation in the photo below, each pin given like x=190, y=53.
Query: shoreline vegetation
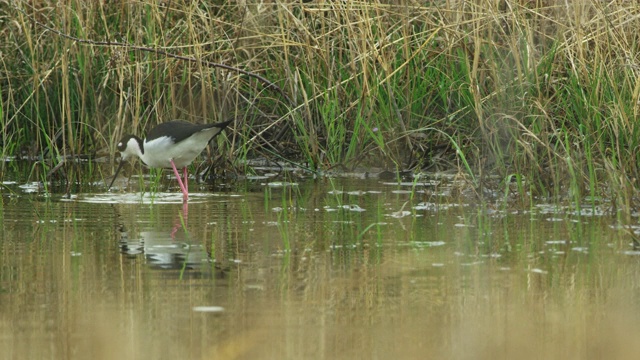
x=541, y=93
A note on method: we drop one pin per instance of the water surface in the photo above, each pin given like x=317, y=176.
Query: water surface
x=340, y=269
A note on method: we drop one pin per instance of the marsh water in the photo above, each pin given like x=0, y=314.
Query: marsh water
x=351, y=268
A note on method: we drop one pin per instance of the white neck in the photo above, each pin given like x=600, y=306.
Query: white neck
x=133, y=148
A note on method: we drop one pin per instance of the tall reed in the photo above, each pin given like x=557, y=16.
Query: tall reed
x=513, y=88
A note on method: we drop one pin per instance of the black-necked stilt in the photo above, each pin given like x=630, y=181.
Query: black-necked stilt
x=171, y=145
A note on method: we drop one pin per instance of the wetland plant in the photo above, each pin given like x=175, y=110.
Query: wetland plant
x=540, y=89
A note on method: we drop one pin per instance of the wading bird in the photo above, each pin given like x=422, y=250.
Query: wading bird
x=171, y=145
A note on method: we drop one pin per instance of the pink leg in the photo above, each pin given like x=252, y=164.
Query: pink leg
x=186, y=178
x=185, y=192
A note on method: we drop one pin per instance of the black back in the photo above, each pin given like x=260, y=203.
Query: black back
x=179, y=130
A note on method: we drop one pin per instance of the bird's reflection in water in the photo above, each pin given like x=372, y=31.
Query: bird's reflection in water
x=181, y=220
x=166, y=249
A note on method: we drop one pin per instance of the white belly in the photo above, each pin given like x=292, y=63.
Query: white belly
x=159, y=152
